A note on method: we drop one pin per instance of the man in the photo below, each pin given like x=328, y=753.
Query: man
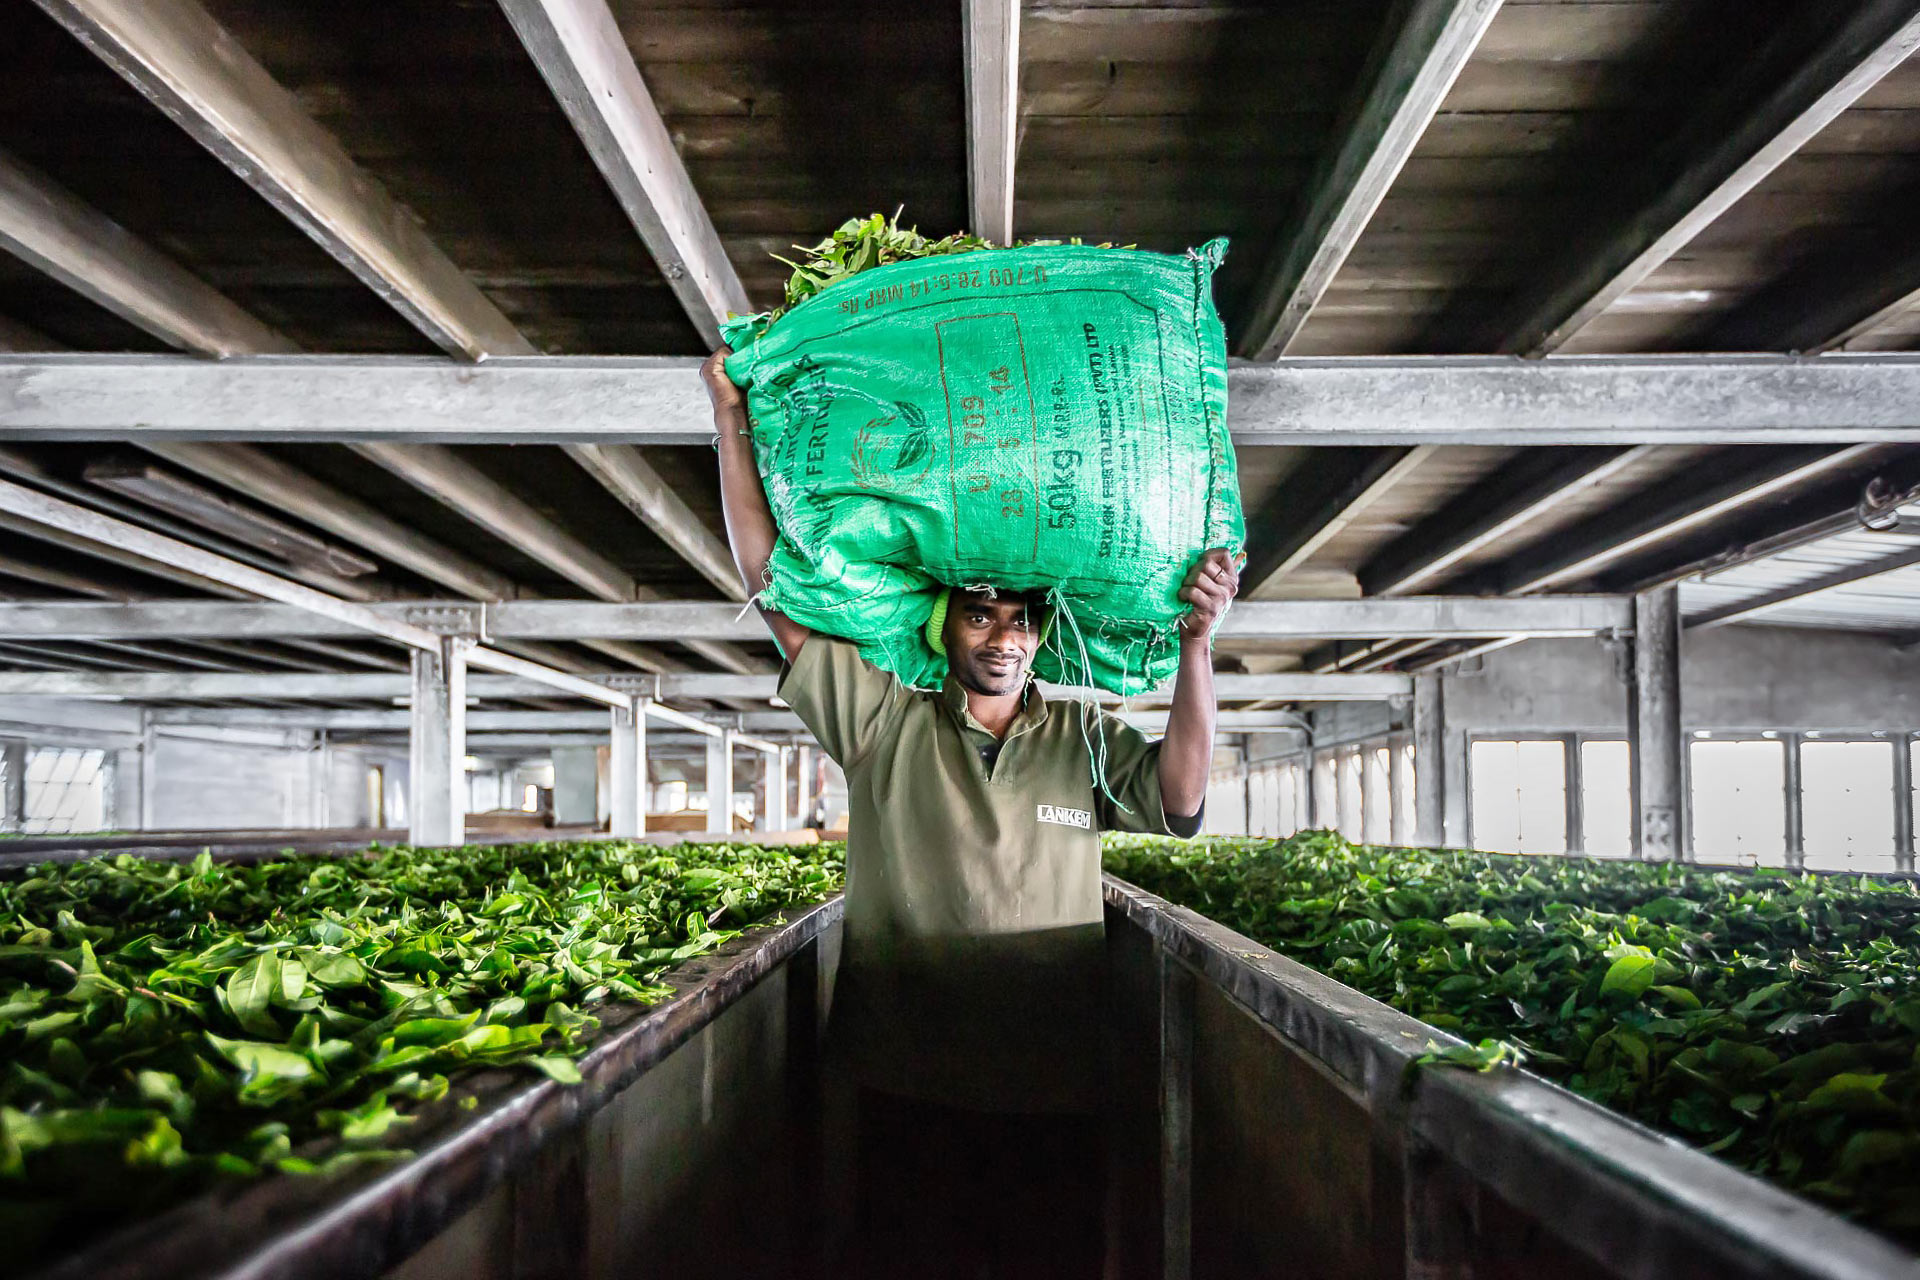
x=969, y=1000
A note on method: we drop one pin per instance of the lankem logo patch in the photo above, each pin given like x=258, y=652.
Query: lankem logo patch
x=1064, y=817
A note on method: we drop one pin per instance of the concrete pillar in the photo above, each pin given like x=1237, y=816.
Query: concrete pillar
x=149, y=771
x=1902, y=803
x=320, y=804
x=1796, y=811
x=13, y=784
x=1429, y=762
x=1657, y=742
x=576, y=775
x=773, y=779
x=437, y=745
x=123, y=813
x=720, y=783
x=627, y=770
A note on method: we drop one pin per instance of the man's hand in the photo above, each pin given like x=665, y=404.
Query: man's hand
x=727, y=398
x=1211, y=585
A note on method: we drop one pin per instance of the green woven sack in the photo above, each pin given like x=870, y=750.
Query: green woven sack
x=1045, y=417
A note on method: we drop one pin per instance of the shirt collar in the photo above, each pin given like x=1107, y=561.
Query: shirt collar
x=1033, y=707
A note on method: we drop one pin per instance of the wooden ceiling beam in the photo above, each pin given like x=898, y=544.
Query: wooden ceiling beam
x=50, y=228
x=1331, y=503
x=990, y=43
x=579, y=51
x=183, y=60
x=1671, y=510
x=193, y=69
x=450, y=479
x=1526, y=492
x=1409, y=78
x=1721, y=162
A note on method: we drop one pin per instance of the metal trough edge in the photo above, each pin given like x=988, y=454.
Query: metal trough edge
x=1642, y=1204
x=285, y=1227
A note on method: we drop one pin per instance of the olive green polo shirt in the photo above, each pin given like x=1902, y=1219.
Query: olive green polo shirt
x=971, y=971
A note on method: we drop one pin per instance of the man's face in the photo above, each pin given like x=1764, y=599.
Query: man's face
x=991, y=640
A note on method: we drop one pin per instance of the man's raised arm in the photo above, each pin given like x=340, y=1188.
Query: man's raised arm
x=751, y=531
x=1186, y=753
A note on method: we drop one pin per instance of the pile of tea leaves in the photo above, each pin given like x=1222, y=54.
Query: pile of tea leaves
x=1770, y=1018
x=169, y=1024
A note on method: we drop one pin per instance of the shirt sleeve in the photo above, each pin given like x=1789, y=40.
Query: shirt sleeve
x=1133, y=777
x=845, y=701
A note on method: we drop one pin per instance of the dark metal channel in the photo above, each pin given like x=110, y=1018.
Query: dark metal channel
x=1627, y=1201
x=363, y=1223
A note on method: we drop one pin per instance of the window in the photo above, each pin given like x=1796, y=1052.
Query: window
x=1739, y=801
x=1606, y=798
x=1846, y=799
x=69, y=789
x=1519, y=796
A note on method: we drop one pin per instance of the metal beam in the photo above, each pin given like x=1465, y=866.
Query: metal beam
x=1725, y=159
x=265, y=478
x=1331, y=509
x=1355, y=400
x=442, y=474
x=1658, y=744
x=183, y=61
x=50, y=228
x=451, y=480
x=179, y=56
x=1431, y=551
x=177, y=686
x=990, y=51
x=1411, y=616
x=79, y=522
x=1432, y=43
x=578, y=48
x=1744, y=610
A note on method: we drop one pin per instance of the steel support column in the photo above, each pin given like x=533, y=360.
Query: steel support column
x=803, y=790
x=1575, y=794
x=1903, y=804
x=627, y=770
x=1657, y=746
x=437, y=744
x=1429, y=762
x=1796, y=833
x=720, y=783
x=773, y=778
x=13, y=784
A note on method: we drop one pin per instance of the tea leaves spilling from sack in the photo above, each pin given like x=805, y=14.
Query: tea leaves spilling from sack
x=939, y=413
